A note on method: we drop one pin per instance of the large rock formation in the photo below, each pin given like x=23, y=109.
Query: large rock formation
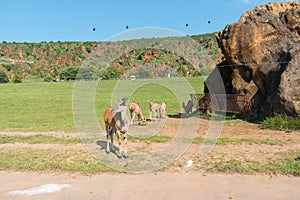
x=262, y=58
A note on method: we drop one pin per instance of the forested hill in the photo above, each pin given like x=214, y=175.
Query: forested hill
x=61, y=60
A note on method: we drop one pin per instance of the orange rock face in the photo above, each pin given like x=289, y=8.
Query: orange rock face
x=262, y=52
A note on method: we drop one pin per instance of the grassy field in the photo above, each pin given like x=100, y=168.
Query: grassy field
x=41, y=106
x=36, y=107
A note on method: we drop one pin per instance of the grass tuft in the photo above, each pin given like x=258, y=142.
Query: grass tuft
x=155, y=138
x=280, y=122
x=38, y=139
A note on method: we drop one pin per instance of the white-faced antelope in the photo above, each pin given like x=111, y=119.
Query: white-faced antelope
x=117, y=121
x=135, y=109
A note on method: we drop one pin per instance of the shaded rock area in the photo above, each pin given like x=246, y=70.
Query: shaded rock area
x=262, y=57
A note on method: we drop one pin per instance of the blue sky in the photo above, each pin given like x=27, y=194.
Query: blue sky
x=74, y=20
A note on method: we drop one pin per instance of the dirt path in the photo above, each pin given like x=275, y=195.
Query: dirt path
x=151, y=186
x=175, y=182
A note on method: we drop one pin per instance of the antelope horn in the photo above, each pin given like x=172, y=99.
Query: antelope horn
x=124, y=99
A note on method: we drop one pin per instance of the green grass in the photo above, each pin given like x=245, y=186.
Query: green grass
x=225, y=141
x=156, y=138
x=36, y=107
x=281, y=123
x=283, y=163
x=41, y=106
x=63, y=160
x=44, y=139
x=38, y=139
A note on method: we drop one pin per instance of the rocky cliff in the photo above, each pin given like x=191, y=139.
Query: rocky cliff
x=262, y=58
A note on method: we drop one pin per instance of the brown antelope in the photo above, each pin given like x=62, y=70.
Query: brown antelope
x=154, y=109
x=117, y=121
x=162, y=110
x=135, y=109
x=188, y=107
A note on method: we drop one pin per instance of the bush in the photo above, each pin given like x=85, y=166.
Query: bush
x=49, y=79
x=69, y=73
x=142, y=73
x=17, y=79
x=3, y=77
x=111, y=74
x=87, y=73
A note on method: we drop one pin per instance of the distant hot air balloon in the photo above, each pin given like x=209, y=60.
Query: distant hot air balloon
x=94, y=29
x=127, y=27
x=208, y=21
x=186, y=25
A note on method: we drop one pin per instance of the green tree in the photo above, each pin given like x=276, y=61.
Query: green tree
x=69, y=73
x=142, y=73
x=87, y=73
x=182, y=70
x=111, y=74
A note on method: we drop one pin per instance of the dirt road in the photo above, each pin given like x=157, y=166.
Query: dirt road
x=175, y=182
x=152, y=186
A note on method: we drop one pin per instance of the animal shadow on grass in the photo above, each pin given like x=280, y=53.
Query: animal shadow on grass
x=115, y=150
x=177, y=116
x=183, y=115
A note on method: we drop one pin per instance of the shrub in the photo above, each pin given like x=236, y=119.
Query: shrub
x=111, y=74
x=87, y=73
x=142, y=73
x=17, y=79
x=49, y=79
x=3, y=77
x=69, y=73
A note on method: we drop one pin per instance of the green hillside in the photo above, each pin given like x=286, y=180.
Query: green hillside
x=61, y=60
